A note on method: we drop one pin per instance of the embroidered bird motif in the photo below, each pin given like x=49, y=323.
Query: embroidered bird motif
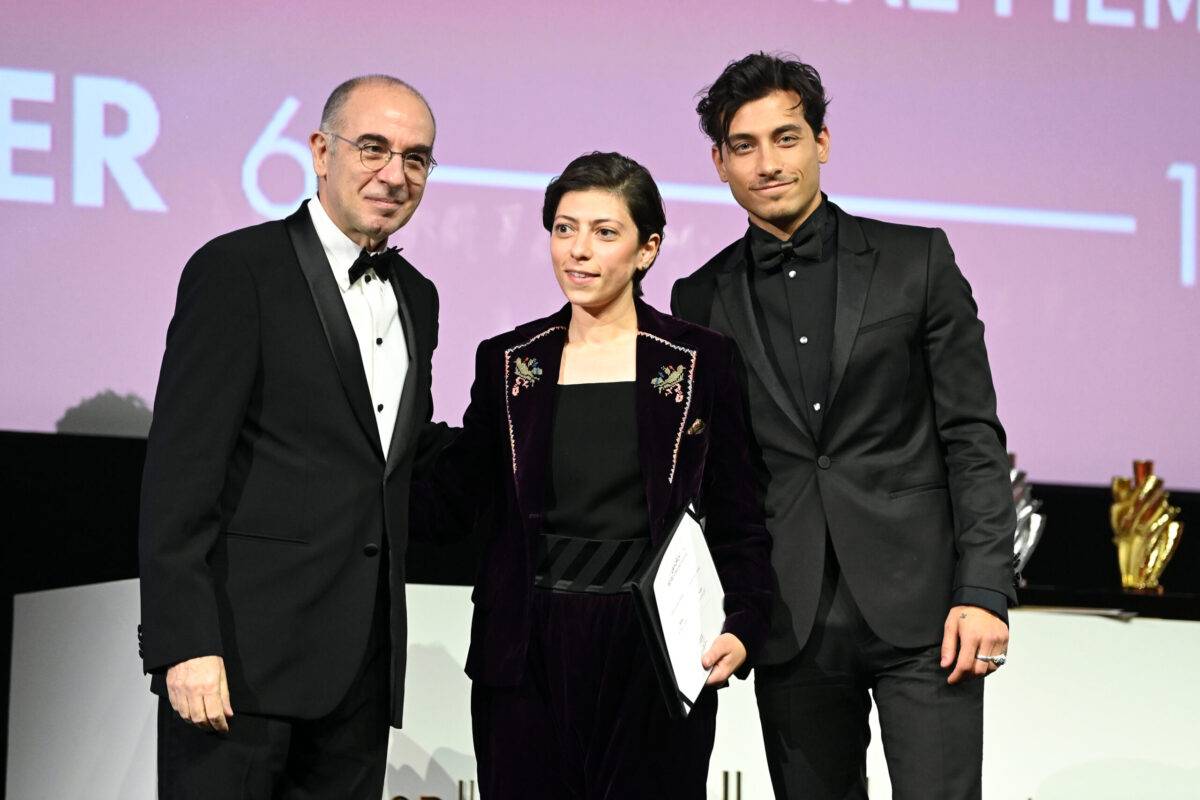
x=669, y=382
x=529, y=372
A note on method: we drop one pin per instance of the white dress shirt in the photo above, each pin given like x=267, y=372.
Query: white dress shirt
x=374, y=314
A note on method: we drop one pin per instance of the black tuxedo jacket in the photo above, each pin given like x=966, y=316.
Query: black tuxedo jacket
x=691, y=445
x=909, y=475
x=266, y=499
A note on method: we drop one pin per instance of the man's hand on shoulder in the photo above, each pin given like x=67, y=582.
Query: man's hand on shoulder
x=199, y=692
x=971, y=631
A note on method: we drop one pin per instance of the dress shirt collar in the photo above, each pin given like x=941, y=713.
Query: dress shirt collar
x=340, y=249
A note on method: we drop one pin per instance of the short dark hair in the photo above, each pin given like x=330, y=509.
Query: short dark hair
x=755, y=77
x=331, y=114
x=622, y=176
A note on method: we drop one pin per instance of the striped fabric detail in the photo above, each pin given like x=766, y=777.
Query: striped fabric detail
x=593, y=566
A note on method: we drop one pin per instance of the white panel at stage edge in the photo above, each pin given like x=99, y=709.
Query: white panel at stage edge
x=1087, y=708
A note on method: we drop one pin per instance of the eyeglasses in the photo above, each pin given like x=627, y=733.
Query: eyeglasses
x=374, y=156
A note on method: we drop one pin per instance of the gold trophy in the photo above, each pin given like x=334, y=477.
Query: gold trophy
x=1145, y=530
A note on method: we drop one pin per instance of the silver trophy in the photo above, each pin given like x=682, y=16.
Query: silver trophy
x=1030, y=524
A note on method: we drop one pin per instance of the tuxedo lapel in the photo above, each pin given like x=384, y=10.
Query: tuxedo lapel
x=530, y=375
x=666, y=372
x=418, y=357
x=733, y=291
x=334, y=320
x=855, y=265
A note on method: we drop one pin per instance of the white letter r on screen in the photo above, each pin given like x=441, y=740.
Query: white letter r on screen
x=94, y=151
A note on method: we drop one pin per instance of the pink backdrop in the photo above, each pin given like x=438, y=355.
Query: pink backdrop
x=1058, y=153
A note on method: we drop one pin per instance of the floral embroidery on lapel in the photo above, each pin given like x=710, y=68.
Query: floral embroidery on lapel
x=528, y=373
x=680, y=380
x=520, y=365
x=669, y=382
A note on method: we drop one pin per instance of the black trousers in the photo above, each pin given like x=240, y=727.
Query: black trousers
x=341, y=755
x=815, y=708
x=588, y=721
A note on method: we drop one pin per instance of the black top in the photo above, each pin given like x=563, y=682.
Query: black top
x=795, y=300
x=595, y=489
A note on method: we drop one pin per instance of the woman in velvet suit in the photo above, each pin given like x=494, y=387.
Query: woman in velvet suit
x=588, y=432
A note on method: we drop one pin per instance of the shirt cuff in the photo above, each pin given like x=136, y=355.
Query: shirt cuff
x=987, y=599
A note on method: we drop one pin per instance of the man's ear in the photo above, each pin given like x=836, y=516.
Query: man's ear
x=719, y=163
x=318, y=143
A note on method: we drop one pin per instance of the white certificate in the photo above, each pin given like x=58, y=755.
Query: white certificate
x=691, y=606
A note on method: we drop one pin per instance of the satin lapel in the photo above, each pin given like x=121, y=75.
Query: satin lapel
x=666, y=374
x=336, y=323
x=530, y=375
x=734, y=293
x=855, y=265
x=418, y=358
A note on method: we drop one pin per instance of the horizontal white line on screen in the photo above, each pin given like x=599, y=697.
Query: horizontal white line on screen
x=863, y=206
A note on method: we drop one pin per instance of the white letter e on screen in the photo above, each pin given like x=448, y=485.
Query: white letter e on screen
x=28, y=85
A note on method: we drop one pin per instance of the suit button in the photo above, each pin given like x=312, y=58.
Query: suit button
x=371, y=550
x=823, y=462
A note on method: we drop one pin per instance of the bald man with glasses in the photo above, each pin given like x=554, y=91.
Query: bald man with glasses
x=293, y=402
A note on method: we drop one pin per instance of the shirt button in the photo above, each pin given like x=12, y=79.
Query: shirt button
x=816, y=406
x=368, y=278
x=379, y=407
x=379, y=341
x=371, y=549
x=791, y=273
x=823, y=462
x=803, y=340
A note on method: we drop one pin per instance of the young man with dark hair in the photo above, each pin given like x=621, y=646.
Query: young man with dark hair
x=883, y=461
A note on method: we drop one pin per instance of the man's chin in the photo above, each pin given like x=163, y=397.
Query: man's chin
x=783, y=208
x=769, y=209
x=378, y=227
x=390, y=223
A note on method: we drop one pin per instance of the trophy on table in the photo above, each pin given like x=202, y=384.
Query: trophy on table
x=1145, y=530
x=1030, y=524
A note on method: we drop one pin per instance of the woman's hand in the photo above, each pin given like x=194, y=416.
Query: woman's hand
x=723, y=658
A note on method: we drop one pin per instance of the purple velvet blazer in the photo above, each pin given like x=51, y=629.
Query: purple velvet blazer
x=692, y=447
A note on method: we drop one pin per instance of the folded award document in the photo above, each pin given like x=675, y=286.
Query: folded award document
x=681, y=607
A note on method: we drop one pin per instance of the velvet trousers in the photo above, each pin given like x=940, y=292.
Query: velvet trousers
x=588, y=721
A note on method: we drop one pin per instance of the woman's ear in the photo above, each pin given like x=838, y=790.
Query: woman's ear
x=649, y=252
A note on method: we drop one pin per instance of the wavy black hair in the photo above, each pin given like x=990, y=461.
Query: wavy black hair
x=755, y=77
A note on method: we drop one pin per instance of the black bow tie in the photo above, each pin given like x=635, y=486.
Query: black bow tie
x=769, y=252
x=383, y=263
